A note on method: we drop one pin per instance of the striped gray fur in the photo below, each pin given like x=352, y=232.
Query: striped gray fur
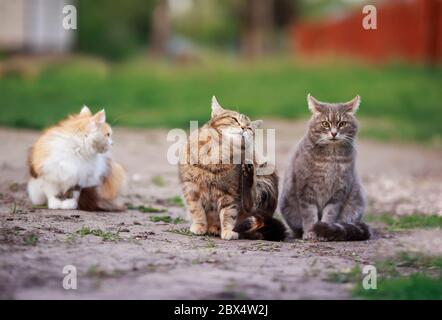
x=322, y=197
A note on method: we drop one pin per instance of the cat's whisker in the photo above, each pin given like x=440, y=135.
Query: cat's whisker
x=321, y=140
x=349, y=140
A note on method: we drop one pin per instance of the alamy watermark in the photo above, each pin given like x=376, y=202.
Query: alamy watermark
x=70, y=280
x=369, y=281
x=370, y=20
x=69, y=17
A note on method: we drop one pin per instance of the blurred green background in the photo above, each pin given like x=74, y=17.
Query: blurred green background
x=157, y=64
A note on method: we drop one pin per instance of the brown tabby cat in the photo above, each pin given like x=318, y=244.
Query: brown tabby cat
x=322, y=197
x=223, y=193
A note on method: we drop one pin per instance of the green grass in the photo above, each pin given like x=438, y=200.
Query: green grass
x=104, y=235
x=31, y=239
x=396, y=223
x=407, y=275
x=175, y=201
x=210, y=243
x=346, y=276
x=95, y=271
x=391, y=267
x=399, y=101
x=416, y=261
x=167, y=219
x=182, y=231
x=146, y=209
x=413, y=287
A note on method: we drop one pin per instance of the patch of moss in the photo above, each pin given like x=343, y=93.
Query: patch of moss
x=39, y=206
x=210, y=243
x=176, y=201
x=31, y=239
x=105, y=235
x=145, y=209
x=350, y=275
x=166, y=219
x=95, y=271
x=182, y=231
x=418, y=261
x=407, y=275
x=396, y=223
x=414, y=287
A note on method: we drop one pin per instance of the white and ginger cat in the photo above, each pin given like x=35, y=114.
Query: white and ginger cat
x=70, y=166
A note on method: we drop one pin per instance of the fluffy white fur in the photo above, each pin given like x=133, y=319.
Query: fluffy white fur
x=74, y=159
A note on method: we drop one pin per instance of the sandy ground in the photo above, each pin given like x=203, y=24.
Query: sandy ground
x=148, y=260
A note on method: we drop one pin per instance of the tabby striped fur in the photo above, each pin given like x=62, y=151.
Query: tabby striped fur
x=221, y=196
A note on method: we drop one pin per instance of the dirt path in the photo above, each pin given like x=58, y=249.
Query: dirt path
x=157, y=260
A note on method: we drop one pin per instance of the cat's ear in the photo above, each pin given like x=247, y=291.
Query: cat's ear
x=100, y=117
x=315, y=106
x=216, y=107
x=85, y=111
x=353, y=105
x=257, y=124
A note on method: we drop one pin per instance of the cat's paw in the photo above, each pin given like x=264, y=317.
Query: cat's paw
x=198, y=228
x=54, y=203
x=214, y=230
x=69, y=204
x=310, y=235
x=229, y=235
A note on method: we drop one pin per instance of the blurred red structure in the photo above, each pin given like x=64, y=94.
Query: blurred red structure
x=405, y=29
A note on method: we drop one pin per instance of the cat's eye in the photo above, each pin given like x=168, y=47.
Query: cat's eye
x=107, y=134
x=342, y=124
x=325, y=124
x=236, y=120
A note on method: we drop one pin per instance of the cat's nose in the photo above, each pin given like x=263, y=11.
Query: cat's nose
x=334, y=134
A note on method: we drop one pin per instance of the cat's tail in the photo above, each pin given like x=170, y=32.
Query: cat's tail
x=103, y=197
x=356, y=231
x=262, y=205
x=261, y=227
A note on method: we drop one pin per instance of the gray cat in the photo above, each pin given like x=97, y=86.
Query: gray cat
x=322, y=197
